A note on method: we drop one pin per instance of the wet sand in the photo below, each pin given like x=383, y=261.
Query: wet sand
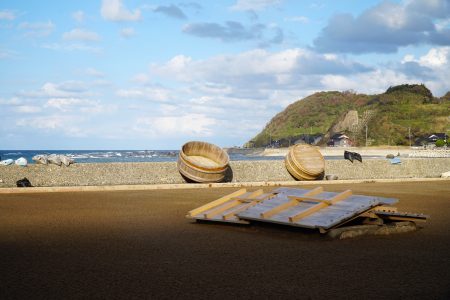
x=138, y=244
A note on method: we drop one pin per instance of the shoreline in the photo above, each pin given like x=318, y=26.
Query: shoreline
x=368, y=151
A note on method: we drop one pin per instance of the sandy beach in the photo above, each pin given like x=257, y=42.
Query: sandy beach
x=138, y=244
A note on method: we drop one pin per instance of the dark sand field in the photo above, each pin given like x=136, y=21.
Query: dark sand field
x=105, y=245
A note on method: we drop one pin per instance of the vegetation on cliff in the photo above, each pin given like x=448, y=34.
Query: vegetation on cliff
x=393, y=117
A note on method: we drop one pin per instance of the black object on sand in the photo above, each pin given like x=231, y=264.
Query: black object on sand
x=352, y=156
x=23, y=182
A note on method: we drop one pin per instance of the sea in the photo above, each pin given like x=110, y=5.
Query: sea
x=109, y=156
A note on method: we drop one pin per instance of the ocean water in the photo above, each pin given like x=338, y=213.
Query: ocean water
x=107, y=156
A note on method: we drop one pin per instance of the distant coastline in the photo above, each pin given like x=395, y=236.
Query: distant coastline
x=236, y=154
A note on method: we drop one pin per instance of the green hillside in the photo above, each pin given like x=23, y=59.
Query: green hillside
x=388, y=116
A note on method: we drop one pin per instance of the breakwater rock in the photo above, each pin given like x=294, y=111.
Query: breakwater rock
x=241, y=171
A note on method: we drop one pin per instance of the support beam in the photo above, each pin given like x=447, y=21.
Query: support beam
x=233, y=213
x=221, y=208
x=217, y=202
x=320, y=205
x=292, y=202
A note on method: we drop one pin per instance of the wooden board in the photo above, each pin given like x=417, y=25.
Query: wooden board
x=296, y=207
x=296, y=191
x=225, y=209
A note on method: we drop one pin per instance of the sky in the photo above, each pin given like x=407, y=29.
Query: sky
x=135, y=74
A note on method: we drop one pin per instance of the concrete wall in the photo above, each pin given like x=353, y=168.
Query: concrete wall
x=242, y=171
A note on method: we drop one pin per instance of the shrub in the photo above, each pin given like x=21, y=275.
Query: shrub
x=440, y=143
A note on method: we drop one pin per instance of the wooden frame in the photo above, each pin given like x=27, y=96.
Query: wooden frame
x=225, y=208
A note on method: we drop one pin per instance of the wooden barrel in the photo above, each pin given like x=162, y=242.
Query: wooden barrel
x=305, y=162
x=203, y=162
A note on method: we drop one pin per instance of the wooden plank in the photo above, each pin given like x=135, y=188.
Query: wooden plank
x=340, y=197
x=278, y=209
x=319, y=206
x=256, y=193
x=238, y=209
x=217, y=202
x=250, y=197
x=221, y=208
x=307, y=212
x=290, y=203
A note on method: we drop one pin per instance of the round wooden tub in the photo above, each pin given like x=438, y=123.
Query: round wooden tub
x=305, y=162
x=203, y=162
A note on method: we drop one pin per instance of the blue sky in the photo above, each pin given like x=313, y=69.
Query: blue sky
x=130, y=74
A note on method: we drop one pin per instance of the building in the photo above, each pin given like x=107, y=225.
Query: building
x=432, y=138
x=339, y=140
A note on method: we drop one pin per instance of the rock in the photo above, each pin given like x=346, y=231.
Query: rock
x=331, y=177
x=54, y=159
x=23, y=182
x=41, y=159
x=6, y=162
x=21, y=161
x=445, y=174
x=66, y=160
x=390, y=156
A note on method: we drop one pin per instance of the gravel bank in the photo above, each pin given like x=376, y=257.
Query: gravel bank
x=242, y=171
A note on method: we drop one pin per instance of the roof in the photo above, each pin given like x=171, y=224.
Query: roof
x=339, y=136
x=440, y=135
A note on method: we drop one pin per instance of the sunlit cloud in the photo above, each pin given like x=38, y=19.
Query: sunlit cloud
x=114, y=10
x=37, y=29
x=79, y=34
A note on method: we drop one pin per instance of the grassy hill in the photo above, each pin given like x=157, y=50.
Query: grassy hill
x=389, y=116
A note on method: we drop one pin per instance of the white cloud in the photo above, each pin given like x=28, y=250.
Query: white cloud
x=79, y=34
x=114, y=10
x=65, y=104
x=46, y=122
x=197, y=125
x=436, y=57
x=28, y=109
x=157, y=94
x=72, y=47
x=299, y=19
x=255, y=5
x=78, y=104
x=61, y=125
x=7, y=15
x=256, y=68
x=94, y=73
x=141, y=78
x=432, y=69
x=38, y=29
x=66, y=89
x=79, y=16
x=373, y=82
x=386, y=27
x=6, y=54
x=127, y=32
x=12, y=101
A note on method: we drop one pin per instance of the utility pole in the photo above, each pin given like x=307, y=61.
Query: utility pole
x=366, y=135
x=409, y=135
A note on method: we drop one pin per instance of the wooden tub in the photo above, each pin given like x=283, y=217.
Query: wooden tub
x=305, y=162
x=202, y=162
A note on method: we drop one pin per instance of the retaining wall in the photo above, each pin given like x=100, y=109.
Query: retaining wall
x=242, y=171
